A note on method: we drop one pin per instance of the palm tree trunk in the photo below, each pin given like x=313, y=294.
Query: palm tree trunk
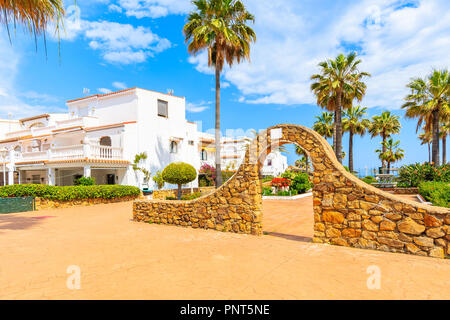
x=217, y=136
x=444, y=151
x=350, y=152
x=334, y=133
x=429, y=152
x=339, y=128
x=435, y=157
x=383, y=163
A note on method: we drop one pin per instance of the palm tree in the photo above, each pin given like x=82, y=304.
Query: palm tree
x=34, y=15
x=300, y=152
x=336, y=86
x=324, y=125
x=353, y=123
x=425, y=137
x=390, y=152
x=444, y=132
x=220, y=26
x=429, y=102
x=384, y=126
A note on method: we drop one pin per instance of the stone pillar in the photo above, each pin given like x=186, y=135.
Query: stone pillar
x=87, y=171
x=11, y=167
x=51, y=176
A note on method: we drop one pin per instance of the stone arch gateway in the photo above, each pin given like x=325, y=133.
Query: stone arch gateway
x=347, y=211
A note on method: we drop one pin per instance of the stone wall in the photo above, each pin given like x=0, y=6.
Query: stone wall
x=45, y=204
x=163, y=194
x=347, y=211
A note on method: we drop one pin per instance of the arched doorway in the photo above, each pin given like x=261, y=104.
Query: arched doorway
x=287, y=204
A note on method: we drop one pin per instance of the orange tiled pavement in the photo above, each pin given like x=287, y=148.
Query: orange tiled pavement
x=124, y=259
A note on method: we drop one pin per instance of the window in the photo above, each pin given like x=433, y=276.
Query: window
x=173, y=147
x=204, y=155
x=269, y=162
x=191, y=142
x=105, y=141
x=163, y=108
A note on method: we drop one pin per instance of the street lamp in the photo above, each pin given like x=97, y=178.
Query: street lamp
x=4, y=152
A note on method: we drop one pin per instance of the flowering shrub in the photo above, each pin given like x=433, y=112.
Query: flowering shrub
x=437, y=193
x=209, y=173
x=281, y=182
x=412, y=175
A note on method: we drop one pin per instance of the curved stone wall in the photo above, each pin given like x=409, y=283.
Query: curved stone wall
x=347, y=211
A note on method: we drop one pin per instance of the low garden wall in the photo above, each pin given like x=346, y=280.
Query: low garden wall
x=347, y=211
x=163, y=194
x=45, y=204
x=50, y=197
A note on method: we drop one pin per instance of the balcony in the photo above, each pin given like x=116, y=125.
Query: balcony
x=73, y=152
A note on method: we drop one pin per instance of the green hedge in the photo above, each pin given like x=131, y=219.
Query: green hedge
x=68, y=193
x=438, y=193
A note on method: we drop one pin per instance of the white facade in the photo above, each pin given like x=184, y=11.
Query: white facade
x=99, y=137
x=233, y=152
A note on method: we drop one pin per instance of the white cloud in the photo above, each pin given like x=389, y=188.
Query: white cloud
x=114, y=8
x=396, y=41
x=154, y=8
x=119, y=85
x=197, y=107
x=118, y=43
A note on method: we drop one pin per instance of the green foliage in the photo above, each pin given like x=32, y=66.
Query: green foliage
x=187, y=197
x=412, y=175
x=179, y=173
x=137, y=160
x=226, y=175
x=267, y=178
x=438, y=193
x=288, y=175
x=301, y=183
x=85, y=181
x=68, y=193
x=369, y=179
x=158, y=178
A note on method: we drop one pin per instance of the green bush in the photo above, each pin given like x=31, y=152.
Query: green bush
x=68, y=193
x=179, y=173
x=412, y=175
x=159, y=180
x=85, y=181
x=301, y=183
x=369, y=179
x=267, y=178
x=438, y=193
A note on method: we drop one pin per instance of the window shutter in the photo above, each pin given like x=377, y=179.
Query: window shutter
x=163, y=107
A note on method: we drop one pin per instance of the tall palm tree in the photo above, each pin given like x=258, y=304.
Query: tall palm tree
x=390, y=152
x=425, y=137
x=336, y=86
x=444, y=132
x=429, y=102
x=301, y=152
x=34, y=15
x=384, y=125
x=220, y=26
x=353, y=123
x=324, y=125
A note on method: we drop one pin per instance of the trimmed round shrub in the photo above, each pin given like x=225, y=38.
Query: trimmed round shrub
x=85, y=181
x=179, y=173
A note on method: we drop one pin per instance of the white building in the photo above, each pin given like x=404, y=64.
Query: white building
x=99, y=137
x=233, y=152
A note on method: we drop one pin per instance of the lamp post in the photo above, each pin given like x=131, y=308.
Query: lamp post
x=4, y=152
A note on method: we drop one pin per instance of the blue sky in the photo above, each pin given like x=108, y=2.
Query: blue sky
x=110, y=45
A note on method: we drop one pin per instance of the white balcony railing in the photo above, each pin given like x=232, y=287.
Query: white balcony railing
x=73, y=152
